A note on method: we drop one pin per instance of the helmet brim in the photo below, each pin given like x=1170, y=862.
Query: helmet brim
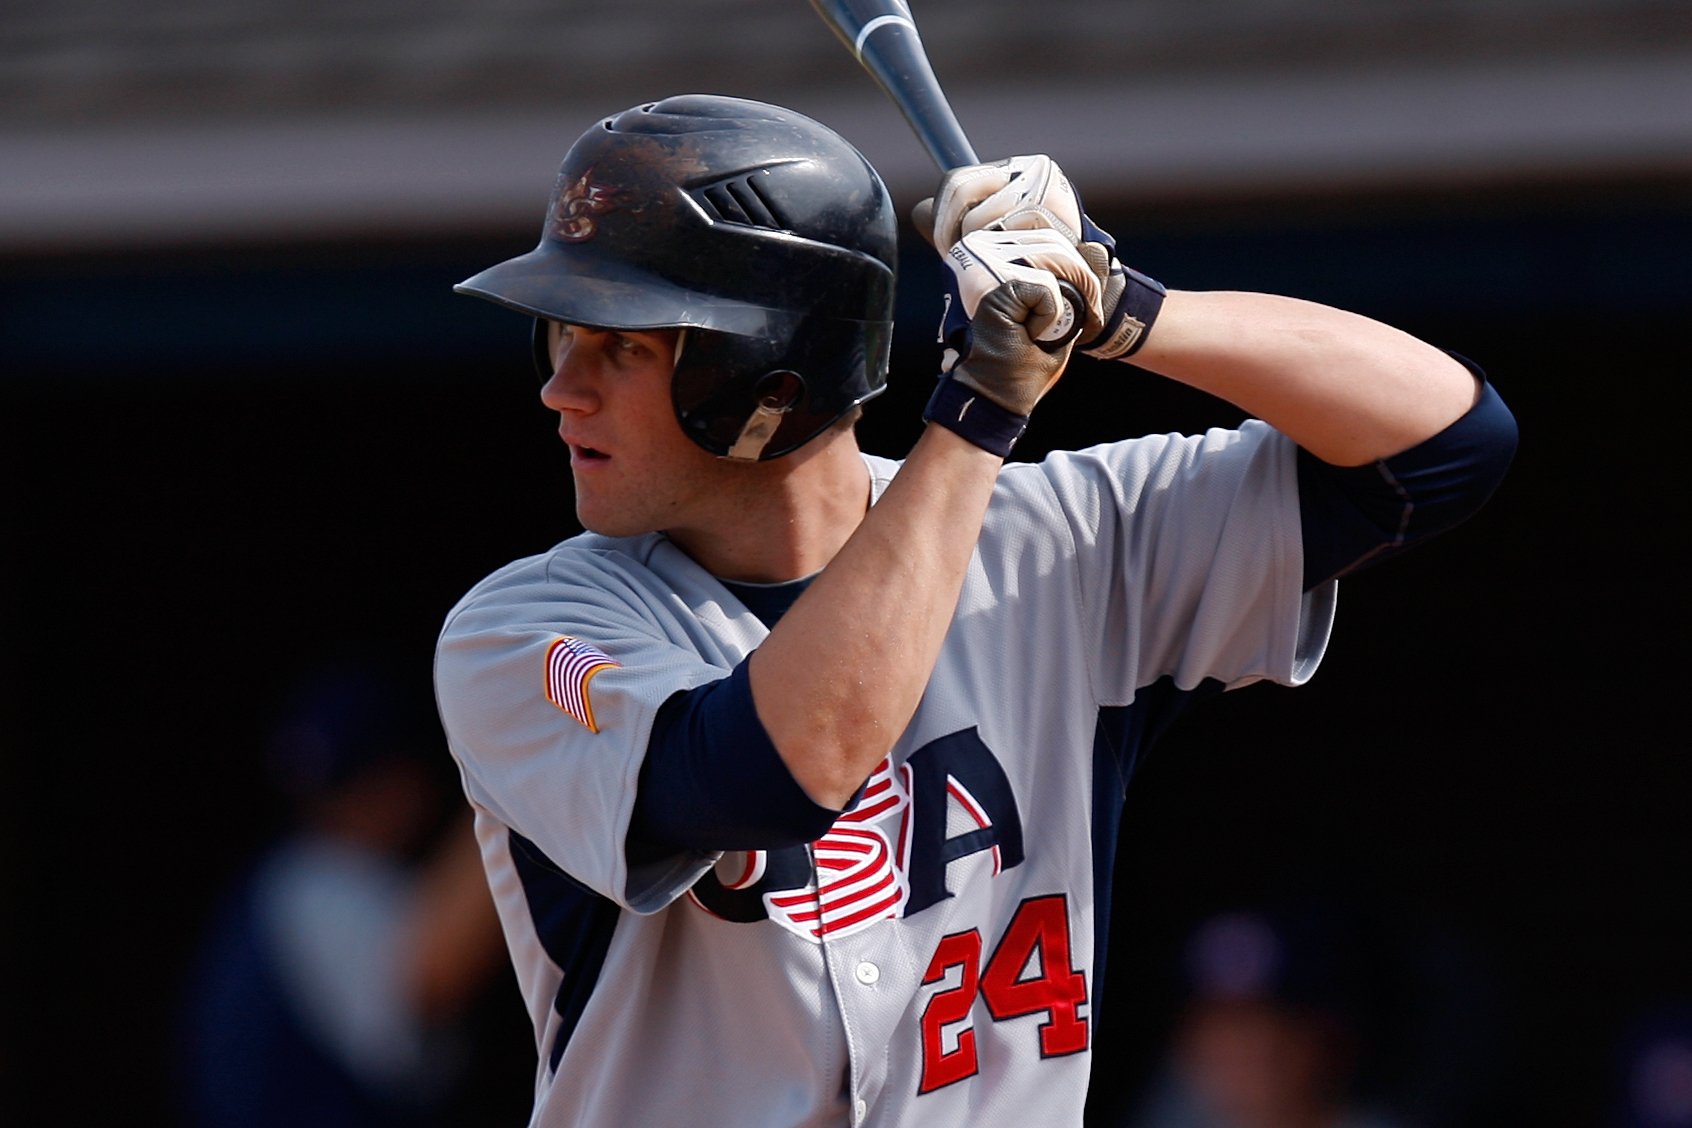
x=550, y=283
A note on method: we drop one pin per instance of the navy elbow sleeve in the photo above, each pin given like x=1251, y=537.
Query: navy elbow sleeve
x=713, y=780
x=1355, y=516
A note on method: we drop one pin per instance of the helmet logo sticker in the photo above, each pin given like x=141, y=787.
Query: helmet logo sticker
x=577, y=207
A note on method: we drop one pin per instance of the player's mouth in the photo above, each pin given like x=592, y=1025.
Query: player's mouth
x=586, y=454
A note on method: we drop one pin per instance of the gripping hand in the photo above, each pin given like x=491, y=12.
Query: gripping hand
x=983, y=260
x=998, y=368
x=1032, y=193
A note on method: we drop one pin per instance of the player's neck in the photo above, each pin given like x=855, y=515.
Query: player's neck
x=799, y=513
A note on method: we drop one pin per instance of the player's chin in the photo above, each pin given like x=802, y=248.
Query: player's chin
x=609, y=519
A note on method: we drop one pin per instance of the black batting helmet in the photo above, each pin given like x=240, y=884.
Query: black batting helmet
x=763, y=234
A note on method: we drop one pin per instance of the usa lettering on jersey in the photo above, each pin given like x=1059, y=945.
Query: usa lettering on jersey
x=885, y=858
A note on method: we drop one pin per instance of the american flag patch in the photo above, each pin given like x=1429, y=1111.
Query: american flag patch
x=570, y=665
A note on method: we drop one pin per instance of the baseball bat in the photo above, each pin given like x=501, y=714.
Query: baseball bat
x=882, y=36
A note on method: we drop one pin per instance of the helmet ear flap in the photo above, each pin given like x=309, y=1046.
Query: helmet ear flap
x=712, y=388
x=775, y=394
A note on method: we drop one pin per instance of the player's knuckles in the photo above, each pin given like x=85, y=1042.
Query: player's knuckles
x=1040, y=196
x=961, y=195
x=1015, y=313
x=991, y=210
x=1043, y=305
x=1022, y=204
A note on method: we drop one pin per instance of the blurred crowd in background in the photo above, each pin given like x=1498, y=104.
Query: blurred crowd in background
x=342, y=980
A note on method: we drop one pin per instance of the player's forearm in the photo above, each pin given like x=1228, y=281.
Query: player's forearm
x=1346, y=388
x=842, y=673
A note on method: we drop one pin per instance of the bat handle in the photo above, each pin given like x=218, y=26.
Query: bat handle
x=887, y=45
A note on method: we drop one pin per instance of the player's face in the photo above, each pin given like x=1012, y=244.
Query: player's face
x=634, y=469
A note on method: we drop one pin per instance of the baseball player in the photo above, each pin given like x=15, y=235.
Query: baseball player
x=800, y=769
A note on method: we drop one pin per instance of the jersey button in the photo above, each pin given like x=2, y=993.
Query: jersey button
x=868, y=973
x=860, y=1110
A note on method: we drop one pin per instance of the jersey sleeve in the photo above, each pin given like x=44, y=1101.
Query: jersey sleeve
x=713, y=780
x=1188, y=561
x=548, y=677
x=1357, y=516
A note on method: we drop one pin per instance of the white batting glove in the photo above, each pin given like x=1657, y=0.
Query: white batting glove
x=1032, y=193
x=1015, y=194
x=983, y=260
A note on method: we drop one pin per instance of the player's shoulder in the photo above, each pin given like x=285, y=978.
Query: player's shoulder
x=577, y=567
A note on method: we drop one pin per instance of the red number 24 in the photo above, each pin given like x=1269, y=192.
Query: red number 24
x=1038, y=938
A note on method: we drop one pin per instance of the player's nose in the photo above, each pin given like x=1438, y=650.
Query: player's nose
x=572, y=386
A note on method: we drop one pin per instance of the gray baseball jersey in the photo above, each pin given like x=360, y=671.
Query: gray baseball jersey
x=931, y=959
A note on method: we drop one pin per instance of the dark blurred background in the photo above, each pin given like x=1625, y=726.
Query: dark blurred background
x=246, y=425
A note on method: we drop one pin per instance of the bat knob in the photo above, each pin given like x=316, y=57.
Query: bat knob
x=1069, y=323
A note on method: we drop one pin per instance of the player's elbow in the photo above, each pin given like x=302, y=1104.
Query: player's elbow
x=831, y=768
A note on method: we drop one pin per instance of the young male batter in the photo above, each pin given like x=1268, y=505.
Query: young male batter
x=797, y=775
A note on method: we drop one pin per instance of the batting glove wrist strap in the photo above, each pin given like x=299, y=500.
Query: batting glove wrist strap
x=963, y=410
x=1134, y=301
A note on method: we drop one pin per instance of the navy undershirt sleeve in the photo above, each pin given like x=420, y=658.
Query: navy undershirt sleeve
x=712, y=779
x=1353, y=517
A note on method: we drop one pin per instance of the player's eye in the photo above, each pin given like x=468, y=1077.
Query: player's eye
x=557, y=336
x=629, y=348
